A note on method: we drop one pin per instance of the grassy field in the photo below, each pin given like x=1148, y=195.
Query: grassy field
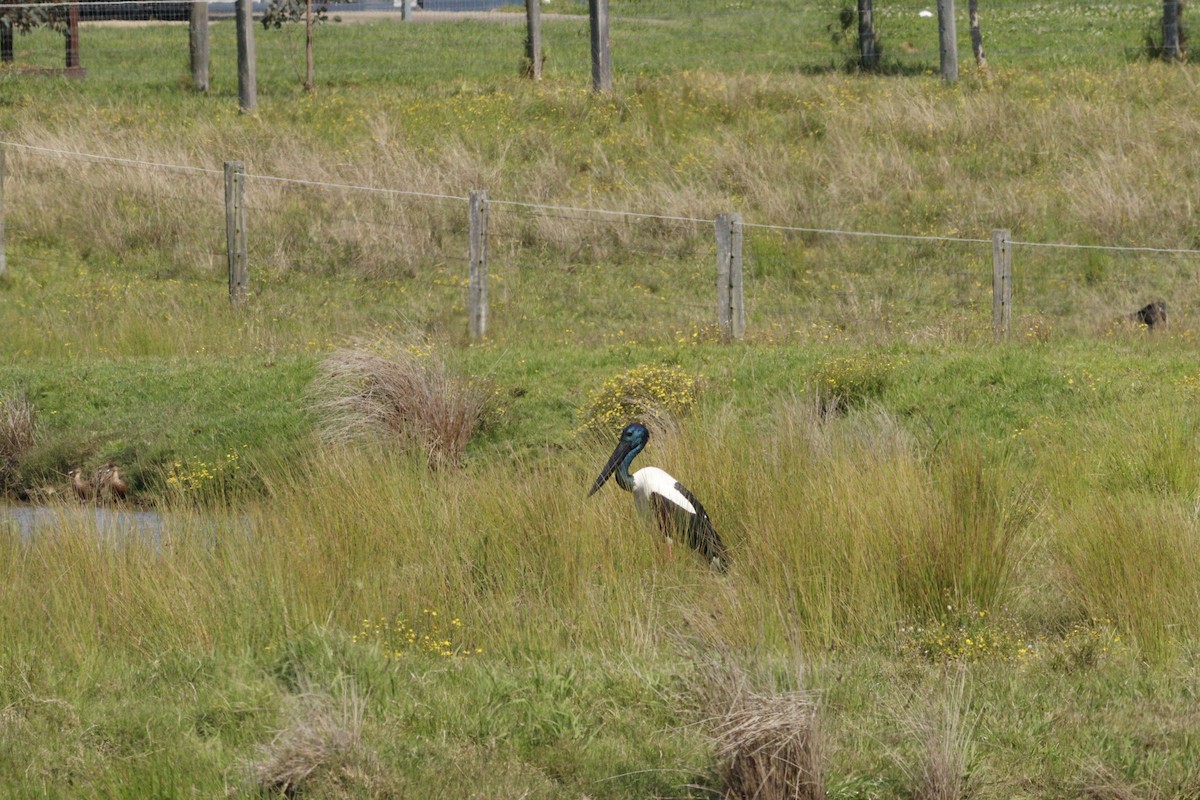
x=977, y=562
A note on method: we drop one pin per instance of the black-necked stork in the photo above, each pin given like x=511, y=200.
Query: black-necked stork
x=656, y=494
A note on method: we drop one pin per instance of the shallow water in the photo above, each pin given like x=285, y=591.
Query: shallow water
x=29, y=520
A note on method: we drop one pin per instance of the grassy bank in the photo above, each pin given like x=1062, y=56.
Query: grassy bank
x=977, y=561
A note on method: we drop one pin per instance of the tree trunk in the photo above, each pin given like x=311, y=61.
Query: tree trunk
x=6, y=42
x=310, y=70
x=976, y=36
x=868, y=54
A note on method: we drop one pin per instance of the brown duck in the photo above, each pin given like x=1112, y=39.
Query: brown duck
x=110, y=483
x=84, y=489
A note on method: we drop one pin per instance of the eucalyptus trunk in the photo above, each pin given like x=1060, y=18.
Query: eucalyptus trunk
x=976, y=36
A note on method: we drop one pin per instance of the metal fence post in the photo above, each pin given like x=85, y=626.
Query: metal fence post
x=731, y=305
x=1001, y=282
x=477, y=286
x=235, y=231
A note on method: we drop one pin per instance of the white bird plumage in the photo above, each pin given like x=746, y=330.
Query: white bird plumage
x=662, y=499
x=649, y=481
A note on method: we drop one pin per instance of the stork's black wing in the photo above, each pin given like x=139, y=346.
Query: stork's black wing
x=697, y=529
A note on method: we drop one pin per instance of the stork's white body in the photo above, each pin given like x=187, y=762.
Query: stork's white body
x=652, y=480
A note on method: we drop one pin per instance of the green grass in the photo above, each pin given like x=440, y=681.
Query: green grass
x=980, y=556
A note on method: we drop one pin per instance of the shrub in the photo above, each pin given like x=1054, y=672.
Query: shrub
x=653, y=393
x=849, y=381
x=404, y=394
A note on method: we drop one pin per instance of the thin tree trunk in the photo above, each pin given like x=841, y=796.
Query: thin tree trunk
x=868, y=55
x=310, y=70
x=976, y=36
x=6, y=42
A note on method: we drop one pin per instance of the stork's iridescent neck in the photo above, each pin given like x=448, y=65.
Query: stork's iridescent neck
x=624, y=478
x=633, y=439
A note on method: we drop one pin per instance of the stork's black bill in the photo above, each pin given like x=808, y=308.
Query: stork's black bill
x=623, y=448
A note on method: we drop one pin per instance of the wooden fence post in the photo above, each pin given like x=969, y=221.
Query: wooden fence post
x=533, y=39
x=1001, y=282
x=198, y=45
x=3, y=176
x=601, y=55
x=1170, y=26
x=235, y=231
x=247, y=68
x=73, y=39
x=948, y=40
x=477, y=286
x=731, y=305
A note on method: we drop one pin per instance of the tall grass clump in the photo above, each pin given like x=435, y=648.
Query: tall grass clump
x=403, y=394
x=18, y=425
x=1133, y=558
x=843, y=526
x=967, y=543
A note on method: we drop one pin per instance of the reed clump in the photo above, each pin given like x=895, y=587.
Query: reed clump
x=18, y=427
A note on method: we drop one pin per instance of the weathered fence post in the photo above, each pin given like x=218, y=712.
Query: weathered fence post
x=404, y=7
x=477, y=286
x=601, y=55
x=533, y=39
x=1170, y=27
x=247, y=78
x=198, y=45
x=73, y=68
x=731, y=305
x=948, y=40
x=1001, y=282
x=868, y=56
x=3, y=176
x=235, y=231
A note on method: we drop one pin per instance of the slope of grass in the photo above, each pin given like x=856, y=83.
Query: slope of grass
x=982, y=558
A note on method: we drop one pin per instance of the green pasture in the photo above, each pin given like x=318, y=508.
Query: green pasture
x=978, y=558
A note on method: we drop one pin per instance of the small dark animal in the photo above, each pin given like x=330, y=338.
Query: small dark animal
x=1152, y=316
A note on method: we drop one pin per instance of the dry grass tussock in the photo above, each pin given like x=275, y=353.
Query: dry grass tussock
x=944, y=730
x=18, y=424
x=320, y=746
x=406, y=394
x=769, y=742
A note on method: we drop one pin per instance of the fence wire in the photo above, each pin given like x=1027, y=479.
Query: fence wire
x=133, y=231
x=132, y=45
